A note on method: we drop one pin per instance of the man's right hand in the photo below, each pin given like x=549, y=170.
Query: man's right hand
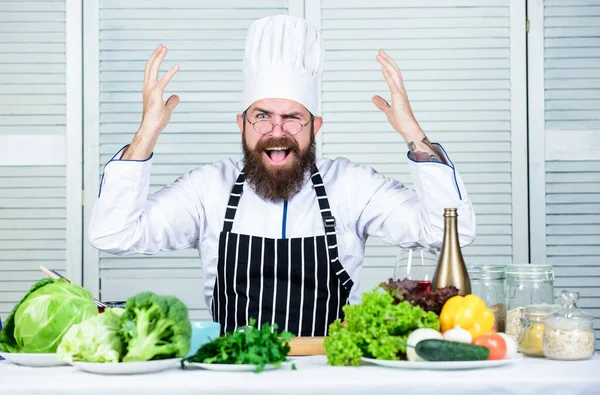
x=156, y=113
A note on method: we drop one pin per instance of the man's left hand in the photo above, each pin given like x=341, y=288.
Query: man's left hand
x=399, y=113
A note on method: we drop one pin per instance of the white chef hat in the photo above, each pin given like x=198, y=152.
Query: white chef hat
x=283, y=59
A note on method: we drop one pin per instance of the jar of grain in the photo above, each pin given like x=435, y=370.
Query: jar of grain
x=532, y=328
x=526, y=285
x=487, y=282
x=569, y=333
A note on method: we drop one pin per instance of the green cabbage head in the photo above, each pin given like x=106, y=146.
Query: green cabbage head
x=39, y=321
x=94, y=340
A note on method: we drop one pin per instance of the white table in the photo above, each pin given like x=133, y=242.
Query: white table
x=529, y=376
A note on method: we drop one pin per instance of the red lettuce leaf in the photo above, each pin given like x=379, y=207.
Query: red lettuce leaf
x=406, y=290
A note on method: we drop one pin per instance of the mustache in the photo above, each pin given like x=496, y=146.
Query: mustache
x=285, y=142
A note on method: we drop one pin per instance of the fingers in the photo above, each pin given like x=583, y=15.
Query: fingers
x=172, y=102
x=381, y=104
x=164, y=81
x=394, y=89
x=155, y=66
x=393, y=70
x=389, y=59
x=387, y=68
x=149, y=64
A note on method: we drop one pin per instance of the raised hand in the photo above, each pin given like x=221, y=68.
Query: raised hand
x=156, y=113
x=399, y=113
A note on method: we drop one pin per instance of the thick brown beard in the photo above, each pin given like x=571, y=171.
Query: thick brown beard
x=282, y=182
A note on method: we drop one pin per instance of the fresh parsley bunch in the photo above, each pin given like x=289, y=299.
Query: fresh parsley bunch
x=247, y=345
x=375, y=328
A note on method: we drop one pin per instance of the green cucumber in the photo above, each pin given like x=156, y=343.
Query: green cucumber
x=444, y=350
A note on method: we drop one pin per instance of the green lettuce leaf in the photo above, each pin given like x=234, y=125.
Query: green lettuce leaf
x=94, y=340
x=375, y=328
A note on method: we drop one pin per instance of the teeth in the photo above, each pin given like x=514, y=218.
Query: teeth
x=276, y=149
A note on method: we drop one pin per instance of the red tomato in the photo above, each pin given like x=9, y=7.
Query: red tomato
x=495, y=343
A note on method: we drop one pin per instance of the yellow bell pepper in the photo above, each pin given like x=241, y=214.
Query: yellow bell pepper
x=469, y=312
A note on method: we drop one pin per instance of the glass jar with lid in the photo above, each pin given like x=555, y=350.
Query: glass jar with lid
x=568, y=332
x=531, y=332
x=487, y=282
x=526, y=285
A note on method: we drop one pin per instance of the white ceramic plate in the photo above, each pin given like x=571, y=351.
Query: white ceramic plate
x=220, y=367
x=449, y=365
x=128, y=367
x=33, y=360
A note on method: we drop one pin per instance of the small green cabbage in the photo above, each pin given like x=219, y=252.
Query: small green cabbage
x=39, y=321
x=94, y=340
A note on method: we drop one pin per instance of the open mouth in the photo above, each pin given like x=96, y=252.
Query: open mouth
x=278, y=155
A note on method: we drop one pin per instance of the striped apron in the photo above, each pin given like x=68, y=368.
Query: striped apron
x=297, y=283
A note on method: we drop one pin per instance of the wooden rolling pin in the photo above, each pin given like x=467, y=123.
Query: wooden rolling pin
x=303, y=346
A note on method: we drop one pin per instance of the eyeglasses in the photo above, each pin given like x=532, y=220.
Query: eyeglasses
x=289, y=126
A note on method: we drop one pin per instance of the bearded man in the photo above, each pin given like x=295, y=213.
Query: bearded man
x=282, y=233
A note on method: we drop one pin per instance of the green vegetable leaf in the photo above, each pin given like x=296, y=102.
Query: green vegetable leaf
x=155, y=327
x=247, y=345
x=39, y=321
x=375, y=328
x=94, y=340
x=8, y=342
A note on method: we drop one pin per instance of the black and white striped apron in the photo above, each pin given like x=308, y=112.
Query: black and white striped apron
x=298, y=283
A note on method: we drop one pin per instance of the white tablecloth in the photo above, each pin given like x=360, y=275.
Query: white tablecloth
x=313, y=376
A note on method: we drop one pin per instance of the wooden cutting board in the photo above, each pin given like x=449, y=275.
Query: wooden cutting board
x=302, y=346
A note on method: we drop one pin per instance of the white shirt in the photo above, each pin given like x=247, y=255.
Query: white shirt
x=189, y=212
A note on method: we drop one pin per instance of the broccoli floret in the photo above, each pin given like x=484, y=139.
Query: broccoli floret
x=155, y=327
